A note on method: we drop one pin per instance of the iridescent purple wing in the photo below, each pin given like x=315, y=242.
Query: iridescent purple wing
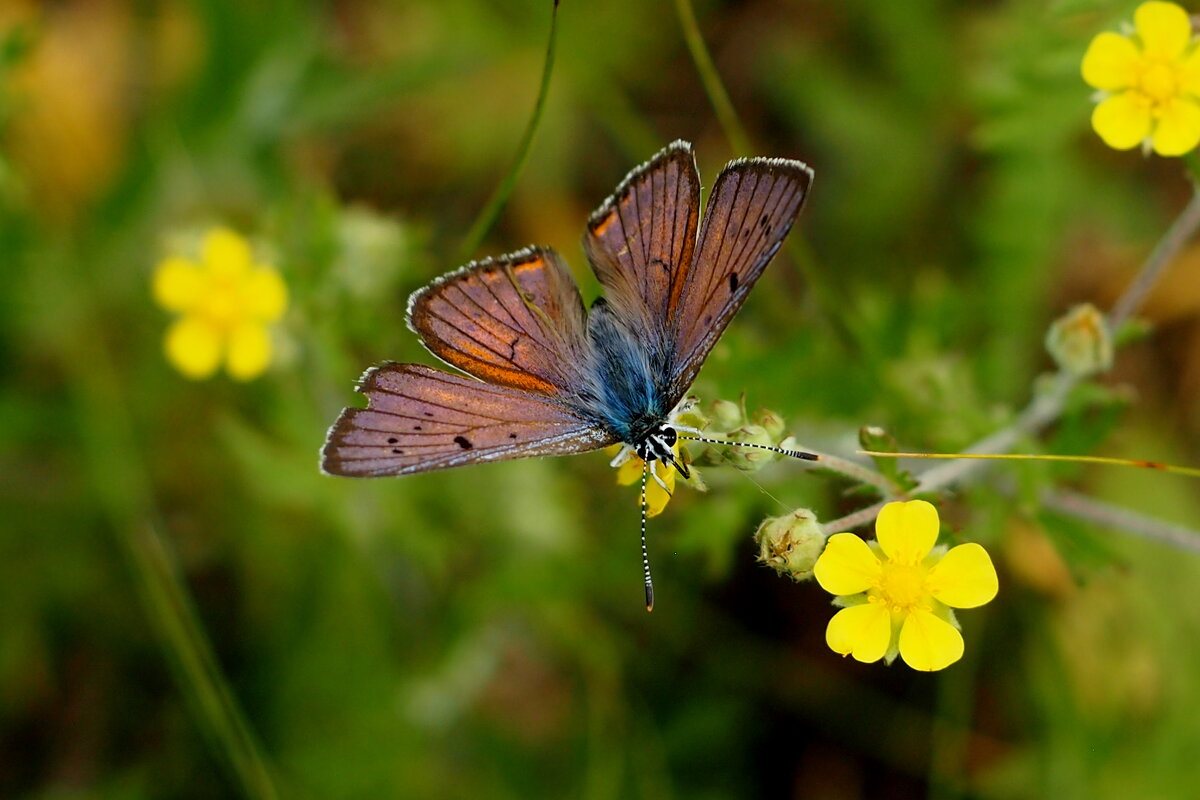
x=640, y=241
x=751, y=209
x=420, y=419
x=514, y=321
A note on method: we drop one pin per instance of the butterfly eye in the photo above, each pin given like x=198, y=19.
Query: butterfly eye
x=668, y=435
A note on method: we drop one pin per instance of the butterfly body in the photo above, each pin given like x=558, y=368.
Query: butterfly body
x=632, y=400
x=547, y=375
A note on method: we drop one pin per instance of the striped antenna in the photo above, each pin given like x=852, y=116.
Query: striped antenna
x=645, y=553
x=791, y=453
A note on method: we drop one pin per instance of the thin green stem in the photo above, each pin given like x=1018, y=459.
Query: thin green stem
x=122, y=485
x=739, y=139
x=166, y=598
x=1193, y=472
x=491, y=210
x=713, y=87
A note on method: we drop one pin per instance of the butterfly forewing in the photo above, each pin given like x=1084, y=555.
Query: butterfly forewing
x=641, y=240
x=751, y=209
x=419, y=418
x=515, y=321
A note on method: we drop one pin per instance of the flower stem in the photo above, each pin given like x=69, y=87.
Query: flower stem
x=854, y=519
x=1122, y=519
x=1177, y=235
x=855, y=471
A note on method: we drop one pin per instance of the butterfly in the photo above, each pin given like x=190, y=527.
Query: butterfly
x=543, y=375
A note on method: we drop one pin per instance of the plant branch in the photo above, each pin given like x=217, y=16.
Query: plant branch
x=1176, y=237
x=1047, y=405
x=1121, y=519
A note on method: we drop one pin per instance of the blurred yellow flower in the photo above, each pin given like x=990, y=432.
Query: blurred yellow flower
x=629, y=472
x=224, y=303
x=1149, y=82
x=898, y=593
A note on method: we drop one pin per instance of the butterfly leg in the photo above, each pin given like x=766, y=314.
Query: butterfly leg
x=622, y=455
x=658, y=480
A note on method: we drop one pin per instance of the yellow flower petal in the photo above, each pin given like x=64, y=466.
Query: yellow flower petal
x=193, y=347
x=249, y=351
x=630, y=472
x=1178, y=128
x=847, y=565
x=226, y=253
x=1111, y=62
x=178, y=284
x=1122, y=120
x=907, y=531
x=863, y=631
x=1189, y=73
x=656, y=496
x=929, y=643
x=264, y=294
x=1164, y=29
x=964, y=578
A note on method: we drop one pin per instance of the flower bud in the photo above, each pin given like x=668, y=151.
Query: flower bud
x=791, y=544
x=771, y=422
x=726, y=415
x=691, y=416
x=1080, y=342
x=747, y=459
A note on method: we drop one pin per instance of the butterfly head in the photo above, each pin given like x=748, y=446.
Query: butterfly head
x=659, y=445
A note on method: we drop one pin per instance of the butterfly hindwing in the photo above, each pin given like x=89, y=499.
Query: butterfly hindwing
x=641, y=241
x=515, y=321
x=751, y=208
x=420, y=418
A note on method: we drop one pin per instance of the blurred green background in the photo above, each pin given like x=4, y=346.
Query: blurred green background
x=480, y=632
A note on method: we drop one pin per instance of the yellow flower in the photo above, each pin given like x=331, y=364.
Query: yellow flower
x=630, y=472
x=224, y=303
x=898, y=594
x=1149, y=82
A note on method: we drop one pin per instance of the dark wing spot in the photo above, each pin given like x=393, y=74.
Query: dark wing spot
x=512, y=436
x=658, y=262
x=392, y=440
x=733, y=282
x=463, y=442
x=397, y=451
x=428, y=413
x=765, y=222
x=416, y=427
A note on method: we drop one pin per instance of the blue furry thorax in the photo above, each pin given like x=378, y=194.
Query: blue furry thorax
x=628, y=392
